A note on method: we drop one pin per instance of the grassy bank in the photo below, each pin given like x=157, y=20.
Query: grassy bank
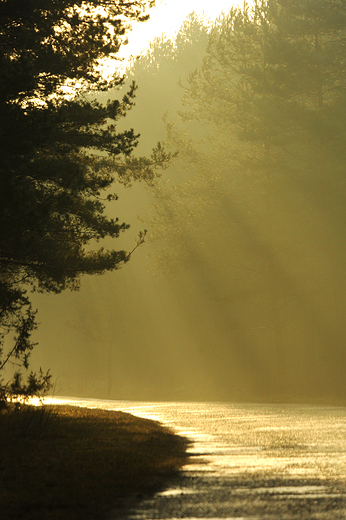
x=69, y=463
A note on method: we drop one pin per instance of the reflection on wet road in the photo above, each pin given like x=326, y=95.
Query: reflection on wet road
x=251, y=461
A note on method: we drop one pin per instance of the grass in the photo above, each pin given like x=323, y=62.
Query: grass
x=69, y=463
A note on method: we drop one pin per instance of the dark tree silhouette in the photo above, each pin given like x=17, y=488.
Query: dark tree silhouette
x=60, y=155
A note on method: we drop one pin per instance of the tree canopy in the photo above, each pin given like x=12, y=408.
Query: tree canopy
x=61, y=151
x=261, y=214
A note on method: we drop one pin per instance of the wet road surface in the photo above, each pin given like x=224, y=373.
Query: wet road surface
x=251, y=461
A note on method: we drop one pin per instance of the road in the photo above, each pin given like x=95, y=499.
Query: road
x=265, y=462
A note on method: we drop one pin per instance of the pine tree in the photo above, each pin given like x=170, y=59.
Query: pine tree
x=266, y=201
x=60, y=154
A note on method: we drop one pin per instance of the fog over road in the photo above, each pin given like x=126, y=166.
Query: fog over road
x=251, y=461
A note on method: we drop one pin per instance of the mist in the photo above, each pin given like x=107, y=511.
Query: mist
x=238, y=293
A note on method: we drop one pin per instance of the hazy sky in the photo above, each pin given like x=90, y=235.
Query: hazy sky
x=167, y=17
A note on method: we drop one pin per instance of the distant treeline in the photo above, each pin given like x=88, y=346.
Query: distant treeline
x=254, y=213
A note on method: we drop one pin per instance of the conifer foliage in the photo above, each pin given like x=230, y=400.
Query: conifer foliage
x=263, y=155
x=60, y=155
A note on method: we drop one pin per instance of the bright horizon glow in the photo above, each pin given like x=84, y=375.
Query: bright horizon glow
x=166, y=18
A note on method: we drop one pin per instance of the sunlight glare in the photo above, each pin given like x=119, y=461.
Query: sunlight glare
x=167, y=17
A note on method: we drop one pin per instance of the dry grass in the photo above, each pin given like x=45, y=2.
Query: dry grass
x=67, y=463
